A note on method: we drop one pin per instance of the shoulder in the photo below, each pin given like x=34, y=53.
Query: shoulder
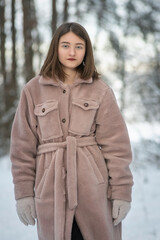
x=101, y=84
x=101, y=87
x=105, y=92
x=32, y=86
x=30, y=89
x=33, y=82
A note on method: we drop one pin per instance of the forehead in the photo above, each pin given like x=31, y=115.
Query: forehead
x=71, y=37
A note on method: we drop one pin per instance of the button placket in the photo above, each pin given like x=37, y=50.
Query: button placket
x=64, y=92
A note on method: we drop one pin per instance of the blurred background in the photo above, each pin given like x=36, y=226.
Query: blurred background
x=126, y=41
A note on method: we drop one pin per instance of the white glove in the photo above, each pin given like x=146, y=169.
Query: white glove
x=26, y=210
x=120, y=210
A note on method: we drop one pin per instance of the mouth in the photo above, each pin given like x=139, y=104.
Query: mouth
x=71, y=59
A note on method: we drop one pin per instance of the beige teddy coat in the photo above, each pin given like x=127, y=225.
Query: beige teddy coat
x=70, y=150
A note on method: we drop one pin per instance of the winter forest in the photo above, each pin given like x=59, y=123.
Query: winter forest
x=126, y=41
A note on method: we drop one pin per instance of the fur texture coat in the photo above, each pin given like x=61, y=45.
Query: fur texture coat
x=70, y=150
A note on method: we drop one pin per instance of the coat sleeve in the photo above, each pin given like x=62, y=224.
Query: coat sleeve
x=112, y=137
x=23, y=147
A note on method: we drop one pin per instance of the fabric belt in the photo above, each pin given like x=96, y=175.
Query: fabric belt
x=71, y=145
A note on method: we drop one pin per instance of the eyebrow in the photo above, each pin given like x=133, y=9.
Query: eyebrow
x=69, y=43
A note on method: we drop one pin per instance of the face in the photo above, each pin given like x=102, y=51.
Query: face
x=71, y=51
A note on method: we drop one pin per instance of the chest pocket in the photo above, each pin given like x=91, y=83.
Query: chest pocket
x=82, y=115
x=48, y=120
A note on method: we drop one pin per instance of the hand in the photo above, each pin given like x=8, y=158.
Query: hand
x=26, y=210
x=120, y=210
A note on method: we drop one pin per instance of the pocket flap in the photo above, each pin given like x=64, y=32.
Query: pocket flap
x=46, y=107
x=86, y=104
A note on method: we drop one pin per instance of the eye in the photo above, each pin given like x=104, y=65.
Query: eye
x=79, y=47
x=65, y=46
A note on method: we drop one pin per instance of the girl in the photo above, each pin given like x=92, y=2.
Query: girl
x=70, y=149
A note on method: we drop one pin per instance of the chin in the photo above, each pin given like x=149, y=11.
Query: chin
x=71, y=67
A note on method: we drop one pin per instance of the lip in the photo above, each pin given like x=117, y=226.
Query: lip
x=71, y=59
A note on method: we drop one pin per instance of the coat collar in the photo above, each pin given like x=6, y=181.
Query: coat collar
x=57, y=82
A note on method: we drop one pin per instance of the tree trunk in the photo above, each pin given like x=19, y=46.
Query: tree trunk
x=5, y=119
x=2, y=40
x=14, y=62
x=124, y=86
x=54, y=16
x=2, y=59
x=65, y=11
x=28, y=26
x=2, y=72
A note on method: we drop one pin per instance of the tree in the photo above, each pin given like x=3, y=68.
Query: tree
x=57, y=16
x=54, y=16
x=13, y=31
x=9, y=77
x=30, y=38
x=3, y=75
x=2, y=40
x=65, y=10
x=143, y=21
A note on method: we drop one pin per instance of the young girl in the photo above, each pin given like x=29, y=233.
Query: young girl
x=70, y=149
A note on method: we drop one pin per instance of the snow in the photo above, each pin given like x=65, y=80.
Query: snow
x=144, y=130
x=142, y=222
x=10, y=225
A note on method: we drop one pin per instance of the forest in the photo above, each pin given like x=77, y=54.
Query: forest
x=126, y=41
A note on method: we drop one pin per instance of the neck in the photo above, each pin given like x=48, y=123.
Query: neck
x=71, y=74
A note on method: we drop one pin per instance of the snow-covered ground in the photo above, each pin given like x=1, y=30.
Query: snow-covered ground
x=142, y=223
x=10, y=226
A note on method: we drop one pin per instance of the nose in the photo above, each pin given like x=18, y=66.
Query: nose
x=72, y=51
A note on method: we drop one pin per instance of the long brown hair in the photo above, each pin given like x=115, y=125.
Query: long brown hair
x=52, y=66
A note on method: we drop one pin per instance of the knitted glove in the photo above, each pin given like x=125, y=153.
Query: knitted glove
x=26, y=210
x=120, y=210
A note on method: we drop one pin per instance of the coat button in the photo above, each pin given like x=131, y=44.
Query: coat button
x=63, y=120
x=43, y=110
x=64, y=91
x=86, y=104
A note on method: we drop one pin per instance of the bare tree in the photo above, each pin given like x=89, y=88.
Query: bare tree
x=58, y=18
x=65, y=11
x=2, y=71
x=28, y=26
x=144, y=21
x=14, y=60
x=2, y=40
x=9, y=80
x=54, y=16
